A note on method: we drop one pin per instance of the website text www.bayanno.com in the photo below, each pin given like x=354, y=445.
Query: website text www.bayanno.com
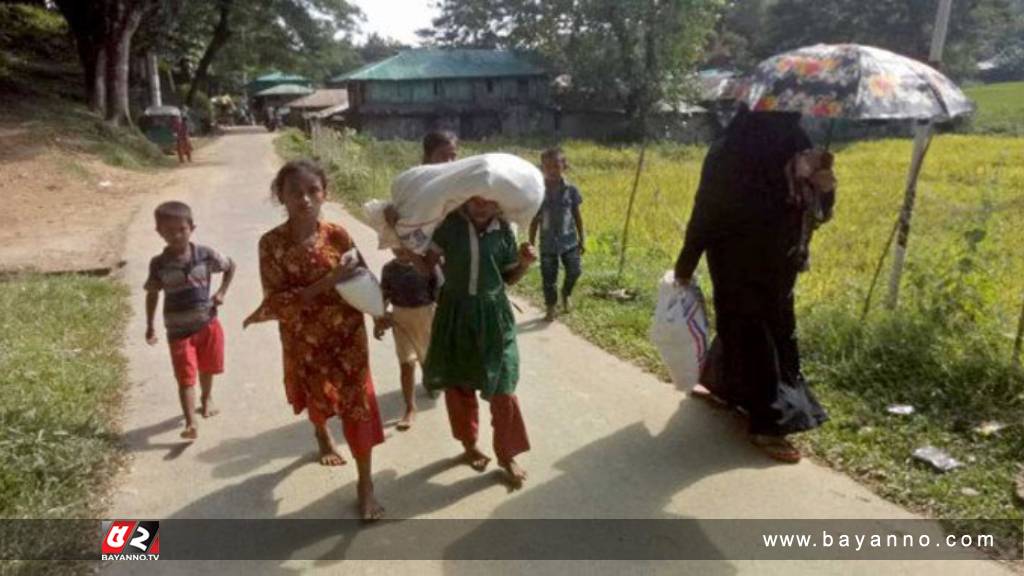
x=872, y=542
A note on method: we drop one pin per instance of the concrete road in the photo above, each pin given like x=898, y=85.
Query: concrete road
x=609, y=441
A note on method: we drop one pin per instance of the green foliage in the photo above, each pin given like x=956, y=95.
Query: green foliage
x=297, y=36
x=628, y=54
x=905, y=27
x=33, y=32
x=62, y=372
x=946, y=351
x=1000, y=108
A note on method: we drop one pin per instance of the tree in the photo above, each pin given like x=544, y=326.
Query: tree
x=377, y=48
x=899, y=25
x=103, y=31
x=632, y=54
x=221, y=34
x=218, y=44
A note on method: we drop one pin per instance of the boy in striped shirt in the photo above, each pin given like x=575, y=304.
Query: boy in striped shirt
x=183, y=272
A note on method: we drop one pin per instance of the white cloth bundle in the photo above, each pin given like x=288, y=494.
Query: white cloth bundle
x=426, y=194
x=680, y=330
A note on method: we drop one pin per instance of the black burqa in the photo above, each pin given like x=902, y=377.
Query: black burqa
x=741, y=219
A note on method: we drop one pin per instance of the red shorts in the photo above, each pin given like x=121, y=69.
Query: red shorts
x=202, y=352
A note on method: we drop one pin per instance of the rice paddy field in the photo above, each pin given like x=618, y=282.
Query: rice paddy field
x=946, y=350
x=1000, y=108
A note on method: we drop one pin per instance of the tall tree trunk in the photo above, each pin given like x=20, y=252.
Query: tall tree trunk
x=153, y=77
x=87, y=25
x=127, y=17
x=221, y=33
x=98, y=89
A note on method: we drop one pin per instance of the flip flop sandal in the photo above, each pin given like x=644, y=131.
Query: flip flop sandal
x=699, y=391
x=777, y=448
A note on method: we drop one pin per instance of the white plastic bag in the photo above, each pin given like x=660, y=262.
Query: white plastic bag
x=362, y=292
x=680, y=330
x=426, y=194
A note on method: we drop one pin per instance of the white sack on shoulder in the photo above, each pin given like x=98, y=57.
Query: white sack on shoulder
x=680, y=330
x=424, y=195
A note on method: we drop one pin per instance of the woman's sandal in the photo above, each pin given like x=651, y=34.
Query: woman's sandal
x=777, y=448
x=700, y=391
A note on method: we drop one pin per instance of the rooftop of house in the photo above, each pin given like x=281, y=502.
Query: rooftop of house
x=286, y=90
x=322, y=98
x=436, y=63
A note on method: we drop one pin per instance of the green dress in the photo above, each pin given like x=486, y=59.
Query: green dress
x=473, y=341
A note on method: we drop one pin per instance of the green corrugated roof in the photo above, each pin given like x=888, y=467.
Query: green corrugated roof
x=275, y=79
x=281, y=77
x=433, y=63
x=286, y=90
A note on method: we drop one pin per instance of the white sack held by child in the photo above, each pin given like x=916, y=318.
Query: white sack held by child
x=362, y=291
x=680, y=330
x=426, y=194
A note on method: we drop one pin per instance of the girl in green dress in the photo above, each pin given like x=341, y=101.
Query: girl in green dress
x=473, y=342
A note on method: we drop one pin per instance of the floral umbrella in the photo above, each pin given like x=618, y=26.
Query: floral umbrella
x=854, y=82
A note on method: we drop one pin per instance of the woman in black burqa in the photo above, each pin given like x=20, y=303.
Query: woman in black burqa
x=744, y=220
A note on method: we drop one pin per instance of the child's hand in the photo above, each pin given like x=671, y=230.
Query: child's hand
x=151, y=338
x=583, y=247
x=527, y=254
x=218, y=299
x=381, y=325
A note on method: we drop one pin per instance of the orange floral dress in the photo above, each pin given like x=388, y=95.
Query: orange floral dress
x=324, y=344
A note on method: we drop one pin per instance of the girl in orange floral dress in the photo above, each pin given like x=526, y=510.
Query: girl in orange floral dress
x=323, y=339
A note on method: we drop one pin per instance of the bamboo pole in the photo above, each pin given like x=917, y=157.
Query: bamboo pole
x=1017, y=344
x=922, y=138
x=629, y=211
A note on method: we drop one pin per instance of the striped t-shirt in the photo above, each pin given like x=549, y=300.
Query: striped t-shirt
x=186, y=285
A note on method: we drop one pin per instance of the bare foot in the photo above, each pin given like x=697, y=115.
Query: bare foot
x=406, y=422
x=190, y=433
x=516, y=474
x=369, y=509
x=208, y=410
x=329, y=455
x=476, y=459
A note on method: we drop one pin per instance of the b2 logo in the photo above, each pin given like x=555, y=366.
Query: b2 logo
x=130, y=540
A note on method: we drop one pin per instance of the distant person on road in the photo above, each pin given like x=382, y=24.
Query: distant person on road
x=562, y=240
x=410, y=287
x=323, y=338
x=183, y=272
x=183, y=143
x=745, y=219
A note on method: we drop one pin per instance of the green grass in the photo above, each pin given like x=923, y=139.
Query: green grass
x=1000, y=108
x=947, y=350
x=62, y=374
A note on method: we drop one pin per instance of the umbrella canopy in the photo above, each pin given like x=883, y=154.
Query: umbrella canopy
x=854, y=82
